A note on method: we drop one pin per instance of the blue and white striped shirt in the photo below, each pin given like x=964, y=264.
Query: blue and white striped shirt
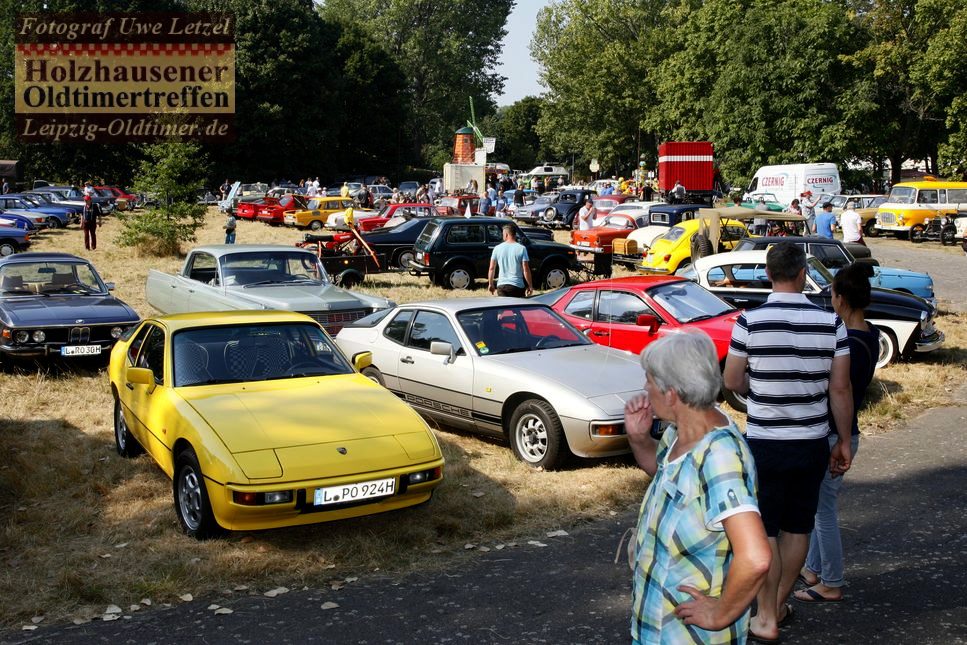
x=789, y=343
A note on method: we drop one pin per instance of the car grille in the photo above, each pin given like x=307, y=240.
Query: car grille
x=333, y=321
x=80, y=335
x=886, y=218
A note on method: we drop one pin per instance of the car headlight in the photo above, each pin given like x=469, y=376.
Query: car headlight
x=22, y=336
x=39, y=336
x=116, y=332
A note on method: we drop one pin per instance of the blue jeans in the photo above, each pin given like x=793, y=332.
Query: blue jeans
x=230, y=237
x=825, y=557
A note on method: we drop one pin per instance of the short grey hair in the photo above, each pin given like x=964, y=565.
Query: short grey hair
x=686, y=363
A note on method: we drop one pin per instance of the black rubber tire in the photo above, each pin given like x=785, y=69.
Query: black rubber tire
x=537, y=436
x=701, y=246
x=889, y=348
x=402, y=257
x=373, y=374
x=458, y=276
x=870, y=229
x=53, y=223
x=315, y=225
x=948, y=236
x=916, y=234
x=125, y=443
x=556, y=274
x=349, y=279
x=8, y=247
x=738, y=402
x=192, y=506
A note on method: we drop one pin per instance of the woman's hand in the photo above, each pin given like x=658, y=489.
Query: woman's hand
x=638, y=417
x=701, y=610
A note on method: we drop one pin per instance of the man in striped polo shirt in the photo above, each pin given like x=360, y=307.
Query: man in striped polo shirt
x=792, y=358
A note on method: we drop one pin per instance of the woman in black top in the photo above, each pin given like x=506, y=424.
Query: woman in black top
x=823, y=573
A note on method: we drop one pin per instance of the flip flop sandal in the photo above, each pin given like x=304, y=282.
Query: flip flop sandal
x=815, y=597
x=753, y=637
x=802, y=580
x=788, y=618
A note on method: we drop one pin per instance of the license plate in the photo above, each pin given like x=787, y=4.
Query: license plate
x=584, y=244
x=80, y=350
x=354, y=492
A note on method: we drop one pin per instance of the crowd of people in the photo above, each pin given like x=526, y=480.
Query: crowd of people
x=732, y=521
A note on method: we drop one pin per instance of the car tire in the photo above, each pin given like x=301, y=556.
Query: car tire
x=404, y=258
x=192, y=506
x=349, y=279
x=8, y=248
x=916, y=234
x=315, y=225
x=701, y=246
x=889, y=348
x=555, y=277
x=53, y=222
x=537, y=436
x=948, y=236
x=738, y=402
x=374, y=375
x=459, y=276
x=870, y=229
x=549, y=215
x=125, y=443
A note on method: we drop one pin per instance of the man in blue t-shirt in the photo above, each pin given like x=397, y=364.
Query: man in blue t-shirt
x=826, y=221
x=511, y=260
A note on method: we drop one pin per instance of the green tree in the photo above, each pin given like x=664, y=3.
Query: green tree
x=515, y=127
x=446, y=50
x=171, y=173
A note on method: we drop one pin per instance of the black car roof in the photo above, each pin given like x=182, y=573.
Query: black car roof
x=811, y=239
x=41, y=257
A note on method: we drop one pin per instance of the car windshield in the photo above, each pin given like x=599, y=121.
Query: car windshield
x=689, y=302
x=543, y=199
x=876, y=202
x=30, y=200
x=820, y=274
x=51, y=277
x=241, y=353
x=523, y=328
x=838, y=201
x=628, y=209
x=902, y=195
x=264, y=268
x=41, y=197
x=449, y=201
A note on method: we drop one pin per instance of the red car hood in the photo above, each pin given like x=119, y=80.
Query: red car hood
x=719, y=330
x=602, y=234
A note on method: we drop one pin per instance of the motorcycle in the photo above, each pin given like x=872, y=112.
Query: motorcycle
x=937, y=229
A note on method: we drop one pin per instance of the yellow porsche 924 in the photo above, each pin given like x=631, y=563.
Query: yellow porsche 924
x=262, y=422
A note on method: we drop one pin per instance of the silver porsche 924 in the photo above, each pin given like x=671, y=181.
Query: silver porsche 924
x=506, y=367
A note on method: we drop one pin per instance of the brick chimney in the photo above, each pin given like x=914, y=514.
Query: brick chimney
x=463, y=146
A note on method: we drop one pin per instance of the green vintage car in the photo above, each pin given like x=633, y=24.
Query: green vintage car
x=751, y=201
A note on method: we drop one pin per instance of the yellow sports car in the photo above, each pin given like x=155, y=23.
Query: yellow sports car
x=673, y=250
x=262, y=422
x=317, y=212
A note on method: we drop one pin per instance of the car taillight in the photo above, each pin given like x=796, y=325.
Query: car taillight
x=667, y=258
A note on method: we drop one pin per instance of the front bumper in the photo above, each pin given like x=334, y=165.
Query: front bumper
x=300, y=511
x=892, y=227
x=929, y=343
x=46, y=350
x=589, y=249
x=583, y=443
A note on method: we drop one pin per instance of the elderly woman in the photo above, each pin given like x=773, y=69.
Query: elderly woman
x=701, y=550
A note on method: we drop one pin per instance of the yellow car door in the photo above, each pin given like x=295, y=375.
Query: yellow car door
x=148, y=403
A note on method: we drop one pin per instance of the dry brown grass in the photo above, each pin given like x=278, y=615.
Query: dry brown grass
x=84, y=528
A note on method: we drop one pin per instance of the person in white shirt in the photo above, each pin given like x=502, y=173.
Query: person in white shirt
x=586, y=215
x=852, y=224
x=312, y=191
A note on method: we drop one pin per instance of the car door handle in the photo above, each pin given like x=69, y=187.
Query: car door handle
x=130, y=386
x=407, y=360
x=600, y=333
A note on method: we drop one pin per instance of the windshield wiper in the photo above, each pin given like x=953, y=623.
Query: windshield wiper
x=22, y=292
x=263, y=283
x=214, y=381
x=513, y=350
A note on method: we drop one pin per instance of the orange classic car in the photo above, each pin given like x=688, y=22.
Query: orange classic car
x=600, y=239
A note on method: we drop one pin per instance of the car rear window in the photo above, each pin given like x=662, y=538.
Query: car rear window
x=426, y=237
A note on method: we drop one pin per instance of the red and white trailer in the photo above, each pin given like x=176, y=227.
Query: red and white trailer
x=690, y=162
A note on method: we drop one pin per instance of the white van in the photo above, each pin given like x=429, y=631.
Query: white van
x=790, y=181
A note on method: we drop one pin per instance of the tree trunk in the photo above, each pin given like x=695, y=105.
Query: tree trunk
x=896, y=168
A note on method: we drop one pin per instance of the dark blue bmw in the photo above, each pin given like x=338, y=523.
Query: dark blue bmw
x=55, y=304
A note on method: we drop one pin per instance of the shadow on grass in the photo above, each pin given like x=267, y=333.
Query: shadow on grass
x=879, y=390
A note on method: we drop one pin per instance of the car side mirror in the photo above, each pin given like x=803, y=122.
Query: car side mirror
x=140, y=376
x=441, y=348
x=649, y=321
x=110, y=286
x=362, y=360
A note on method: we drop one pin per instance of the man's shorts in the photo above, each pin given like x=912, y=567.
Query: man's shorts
x=790, y=473
x=512, y=291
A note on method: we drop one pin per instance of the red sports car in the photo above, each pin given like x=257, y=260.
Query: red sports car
x=248, y=210
x=629, y=313
x=457, y=205
x=600, y=239
x=274, y=212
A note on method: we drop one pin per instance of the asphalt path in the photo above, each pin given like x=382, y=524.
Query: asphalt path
x=904, y=516
x=947, y=266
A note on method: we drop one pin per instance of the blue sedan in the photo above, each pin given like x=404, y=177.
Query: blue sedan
x=56, y=216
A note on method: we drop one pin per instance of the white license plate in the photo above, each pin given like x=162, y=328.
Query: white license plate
x=80, y=350
x=584, y=244
x=354, y=492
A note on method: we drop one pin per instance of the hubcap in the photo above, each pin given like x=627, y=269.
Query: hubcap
x=120, y=429
x=189, y=497
x=460, y=279
x=556, y=278
x=531, y=438
x=6, y=250
x=405, y=260
x=884, y=350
